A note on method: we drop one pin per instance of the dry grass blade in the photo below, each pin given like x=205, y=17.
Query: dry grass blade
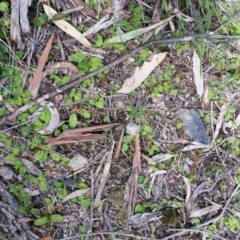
x=104, y=177
x=36, y=80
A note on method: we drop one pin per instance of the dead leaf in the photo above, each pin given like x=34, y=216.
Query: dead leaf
x=79, y=135
x=35, y=82
x=188, y=189
x=162, y=157
x=68, y=218
x=66, y=27
x=77, y=193
x=204, y=211
x=24, y=220
x=141, y=73
x=197, y=71
x=149, y=160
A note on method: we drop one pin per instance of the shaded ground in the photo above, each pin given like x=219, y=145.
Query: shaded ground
x=126, y=186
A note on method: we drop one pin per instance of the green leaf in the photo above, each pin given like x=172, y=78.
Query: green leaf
x=99, y=41
x=77, y=57
x=138, y=209
x=23, y=117
x=43, y=186
x=2, y=111
x=138, y=32
x=58, y=16
x=18, y=100
x=73, y=121
x=179, y=125
x=56, y=218
x=85, y=113
x=82, y=229
x=8, y=142
x=45, y=115
x=41, y=155
x=65, y=80
x=82, y=185
x=4, y=7
x=124, y=147
x=86, y=202
x=41, y=221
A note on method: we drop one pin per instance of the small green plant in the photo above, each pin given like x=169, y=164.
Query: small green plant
x=55, y=218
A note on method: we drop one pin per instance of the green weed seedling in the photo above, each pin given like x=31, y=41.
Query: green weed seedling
x=55, y=218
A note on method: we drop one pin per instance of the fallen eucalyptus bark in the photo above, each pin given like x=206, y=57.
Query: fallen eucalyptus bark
x=19, y=12
x=206, y=36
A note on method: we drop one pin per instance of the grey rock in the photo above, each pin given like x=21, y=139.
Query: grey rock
x=69, y=182
x=77, y=162
x=31, y=167
x=132, y=128
x=194, y=125
x=6, y=172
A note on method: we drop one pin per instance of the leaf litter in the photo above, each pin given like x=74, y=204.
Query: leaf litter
x=154, y=193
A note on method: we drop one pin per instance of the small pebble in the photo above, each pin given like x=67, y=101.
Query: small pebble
x=78, y=162
x=132, y=129
x=31, y=167
x=70, y=182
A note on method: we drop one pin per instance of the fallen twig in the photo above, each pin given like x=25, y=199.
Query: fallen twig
x=77, y=81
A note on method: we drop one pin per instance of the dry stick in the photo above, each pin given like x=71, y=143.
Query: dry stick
x=77, y=81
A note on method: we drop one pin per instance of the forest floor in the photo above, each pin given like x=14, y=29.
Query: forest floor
x=120, y=121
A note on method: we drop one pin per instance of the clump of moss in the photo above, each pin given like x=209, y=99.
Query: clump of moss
x=170, y=217
x=116, y=196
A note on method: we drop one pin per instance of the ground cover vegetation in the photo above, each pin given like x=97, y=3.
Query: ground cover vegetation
x=119, y=119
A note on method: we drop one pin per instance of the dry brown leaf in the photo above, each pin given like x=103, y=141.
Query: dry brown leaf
x=77, y=193
x=66, y=27
x=35, y=82
x=79, y=135
x=141, y=73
